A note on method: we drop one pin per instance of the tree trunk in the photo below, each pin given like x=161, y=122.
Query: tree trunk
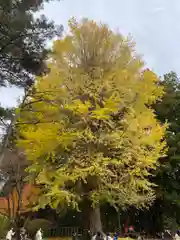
x=91, y=218
x=95, y=220
x=18, y=237
x=9, y=207
x=9, y=132
x=19, y=189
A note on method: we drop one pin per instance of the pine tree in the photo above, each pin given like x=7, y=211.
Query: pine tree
x=23, y=41
x=89, y=129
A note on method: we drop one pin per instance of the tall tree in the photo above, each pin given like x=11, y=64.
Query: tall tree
x=168, y=175
x=22, y=41
x=17, y=196
x=23, y=50
x=88, y=128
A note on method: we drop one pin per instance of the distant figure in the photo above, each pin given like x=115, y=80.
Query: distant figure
x=115, y=236
x=39, y=235
x=98, y=236
x=131, y=229
x=10, y=234
x=139, y=237
x=177, y=237
x=167, y=234
x=23, y=234
x=108, y=237
x=89, y=235
x=75, y=236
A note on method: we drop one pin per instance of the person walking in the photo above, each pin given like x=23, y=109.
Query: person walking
x=10, y=234
x=98, y=236
x=115, y=236
x=177, y=235
x=108, y=237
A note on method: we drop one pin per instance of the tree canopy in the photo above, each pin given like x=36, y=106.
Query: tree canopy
x=167, y=176
x=23, y=52
x=22, y=41
x=89, y=129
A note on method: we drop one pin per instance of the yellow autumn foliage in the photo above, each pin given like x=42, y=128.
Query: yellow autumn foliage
x=89, y=129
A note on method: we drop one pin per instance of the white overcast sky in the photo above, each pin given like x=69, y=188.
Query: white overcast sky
x=154, y=25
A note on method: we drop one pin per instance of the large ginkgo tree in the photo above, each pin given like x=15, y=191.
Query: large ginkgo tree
x=88, y=128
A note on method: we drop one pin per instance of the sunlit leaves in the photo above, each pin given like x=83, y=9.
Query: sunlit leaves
x=97, y=136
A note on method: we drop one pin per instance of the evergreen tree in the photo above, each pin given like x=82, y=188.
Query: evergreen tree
x=88, y=129
x=168, y=175
x=22, y=41
x=23, y=50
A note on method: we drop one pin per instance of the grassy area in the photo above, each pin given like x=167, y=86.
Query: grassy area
x=59, y=238
x=64, y=238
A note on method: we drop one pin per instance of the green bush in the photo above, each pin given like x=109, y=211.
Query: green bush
x=4, y=225
x=34, y=225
